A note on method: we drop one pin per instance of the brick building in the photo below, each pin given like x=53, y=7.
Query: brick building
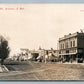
x=71, y=47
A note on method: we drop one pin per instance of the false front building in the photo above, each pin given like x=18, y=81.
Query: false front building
x=71, y=47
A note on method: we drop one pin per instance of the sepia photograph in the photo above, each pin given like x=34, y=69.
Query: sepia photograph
x=42, y=42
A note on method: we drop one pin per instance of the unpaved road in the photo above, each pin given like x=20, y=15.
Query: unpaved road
x=42, y=71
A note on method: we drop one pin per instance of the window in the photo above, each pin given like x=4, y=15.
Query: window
x=66, y=44
x=63, y=46
x=67, y=51
x=54, y=51
x=47, y=52
x=73, y=43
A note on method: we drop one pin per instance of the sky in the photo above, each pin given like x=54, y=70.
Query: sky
x=39, y=24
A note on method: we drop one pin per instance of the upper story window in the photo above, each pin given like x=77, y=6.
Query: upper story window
x=54, y=51
x=66, y=44
x=47, y=52
x=67, y=51
x=73, y=43
x=63, y=46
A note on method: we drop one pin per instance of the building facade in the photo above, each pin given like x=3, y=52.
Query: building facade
x=71, y=47
x=43, y=55
x=51, y=55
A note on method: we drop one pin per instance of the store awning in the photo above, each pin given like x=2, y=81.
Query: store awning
x=68, y=54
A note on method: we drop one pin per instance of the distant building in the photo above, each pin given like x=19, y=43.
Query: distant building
x=52, y=55
x=23, y=54
x=24, y=50
x=71, y=47
x=14, y=58
x=48, y=55
x=43, y=54
x=34, y=54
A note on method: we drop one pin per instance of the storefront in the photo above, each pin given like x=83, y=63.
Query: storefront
x=68, y=57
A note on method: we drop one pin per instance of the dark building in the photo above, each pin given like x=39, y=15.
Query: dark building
x=71, y=48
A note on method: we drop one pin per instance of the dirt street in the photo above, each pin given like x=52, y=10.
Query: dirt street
x=48, y=71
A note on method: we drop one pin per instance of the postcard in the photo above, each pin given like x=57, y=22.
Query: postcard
x=42, y=41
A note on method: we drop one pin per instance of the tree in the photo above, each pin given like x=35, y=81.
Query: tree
x=4, y=50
